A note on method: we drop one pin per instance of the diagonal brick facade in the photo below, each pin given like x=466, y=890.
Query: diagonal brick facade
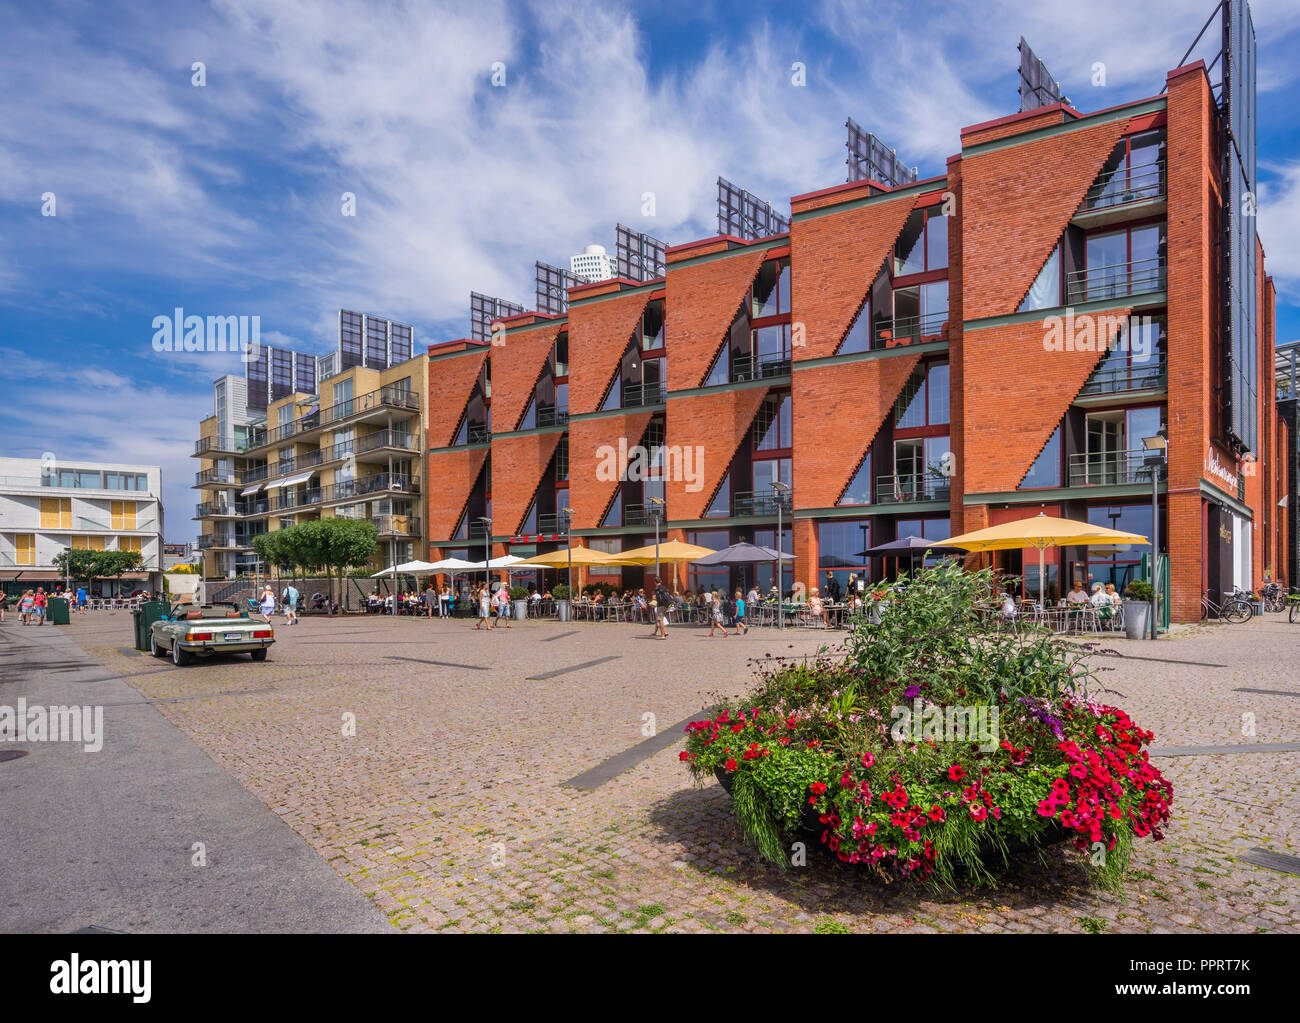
x=516, y=365
x=451, y=382
x=518, y=464
x=703, y=299
x=588, y=495
x=828, y=445
x=450, y=478
x=598, y=335
x=712, y=426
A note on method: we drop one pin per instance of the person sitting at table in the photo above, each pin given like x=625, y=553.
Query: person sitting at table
x=1008, y=603
x=1100, y=600
x=1076, y=600
x=1116, y=601
x=815, y=609
x=751, y=598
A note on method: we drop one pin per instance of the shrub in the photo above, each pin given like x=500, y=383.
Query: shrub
x=560, y=591
x=1139, y=590
x=934, y=745
x=518, y=592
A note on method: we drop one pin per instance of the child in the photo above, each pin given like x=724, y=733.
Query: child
x=741, y=627
x=714, y=609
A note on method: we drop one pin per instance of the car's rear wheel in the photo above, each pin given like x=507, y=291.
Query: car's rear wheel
x=258, y=655
x=179, y=657
x=154, y=648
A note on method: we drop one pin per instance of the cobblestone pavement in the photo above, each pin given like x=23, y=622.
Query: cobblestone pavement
x=447, y=809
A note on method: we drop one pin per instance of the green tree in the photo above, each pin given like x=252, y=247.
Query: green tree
x=336, y=545
x=116, y=563
x=83, y=565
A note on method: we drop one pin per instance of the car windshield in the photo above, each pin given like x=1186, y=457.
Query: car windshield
x=219, y=609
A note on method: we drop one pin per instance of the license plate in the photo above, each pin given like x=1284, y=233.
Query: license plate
x=233, y=635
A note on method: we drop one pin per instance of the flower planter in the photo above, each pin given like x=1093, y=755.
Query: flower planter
x=521, y=610
x=1137, y=619
x=810, y=824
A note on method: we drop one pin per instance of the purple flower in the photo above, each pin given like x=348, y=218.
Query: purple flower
x=911, y=692
x=1042, y=713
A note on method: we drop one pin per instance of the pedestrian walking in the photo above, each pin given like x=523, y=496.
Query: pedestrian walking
x=25, y=605
x=4, y=604
x=267, y=603
x=484, y=608
x=503, y=605
x=291, y=598
x=714, y=610
x=663, y=604
x=38, y=605
x=741, y=627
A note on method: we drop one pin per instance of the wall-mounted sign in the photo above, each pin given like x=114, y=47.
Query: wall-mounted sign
x=1215, y=468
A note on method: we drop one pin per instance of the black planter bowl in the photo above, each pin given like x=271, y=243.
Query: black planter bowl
x=810, y=823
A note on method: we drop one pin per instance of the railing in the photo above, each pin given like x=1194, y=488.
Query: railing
x=257, y=474
x=396, y=525
x=761, y=502
x=906, y=488
x=478, y=531
x=637, y=395
x=219, y=476
x=906, y=330
x=549, y=415
x=1109, y=468
x=1146, y=376
x=385, y=397
x=229, y=444
x=637, y=515
x=303, y=461
x=383, y=482
x=550, y=523
x=479, y=435
x=1126, y=185
x=1101, y=282
x=752, y=367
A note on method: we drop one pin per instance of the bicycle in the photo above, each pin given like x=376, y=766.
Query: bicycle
x=1236, y=608
x=1275, y=602
x=1293, y=599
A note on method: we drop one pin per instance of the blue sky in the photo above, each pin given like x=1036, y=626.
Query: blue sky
x=226, y=199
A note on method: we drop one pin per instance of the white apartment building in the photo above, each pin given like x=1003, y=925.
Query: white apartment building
x=46, y=508
x=592, y=264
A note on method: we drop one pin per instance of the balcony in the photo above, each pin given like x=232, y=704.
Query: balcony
x=912, y=488
x=1124, y=187
x=217, y=477
x=1118, y=379
x=396, y=525
x=236, y=541
x=308, y=460
x=549, y=415
x=382, y=483
x=1139, y=277
x=479, y=531
x=211, y=446
x=479, y=435
x=761, y=502
x=1110, y=468
x=550, y=523
x=639, y=395
x=216, y=509
x=385, y=399
x=758, y=367
x=257, y=474
x=910, y=330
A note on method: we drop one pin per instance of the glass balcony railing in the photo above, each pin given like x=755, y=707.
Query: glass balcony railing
x=907, y=488
x=396, y=525
x=390, y=397
x=479, y=434
x=758, y=367
x=761, y=502
x=1095, y=284
x=549, y=415
x=1112, y=468
x=1126, y=185
x=1121, y=377
x=636, y=395
x=221, y=477
x=907, y=330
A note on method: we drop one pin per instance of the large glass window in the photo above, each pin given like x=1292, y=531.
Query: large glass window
x=763, y=572
x=923, y=244
x=839, y=549
x=924, y=401
x=1046, y=470
x=859, y=489
x=1045, y=292
x=771, y=295
x=772, y=424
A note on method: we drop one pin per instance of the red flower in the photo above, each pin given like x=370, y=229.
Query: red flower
x=731, y=765
x=956, y=772
x=817, y=788
x=978, y=812
x=937, y=814
x=683, y=756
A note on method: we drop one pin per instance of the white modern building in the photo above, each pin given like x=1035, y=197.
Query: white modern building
x=592, y=264
x=49, y=507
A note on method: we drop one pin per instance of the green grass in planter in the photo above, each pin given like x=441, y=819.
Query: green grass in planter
x=757, y=822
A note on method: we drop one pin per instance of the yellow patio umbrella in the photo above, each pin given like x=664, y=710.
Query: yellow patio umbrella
x=670, y=551
x=1041, y=532
x=580, y=556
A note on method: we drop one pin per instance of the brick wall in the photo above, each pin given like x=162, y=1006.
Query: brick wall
x=702, y=301
x=715, y=424
x=838, y=256
x=598, y=336
x=589, y=496
x=516, y=365
x=451, y=381
x=449, y=480
x=518, y=464
x=836, y=412
x=1017, y=202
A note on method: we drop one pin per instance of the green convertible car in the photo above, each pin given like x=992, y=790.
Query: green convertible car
x=190, y=631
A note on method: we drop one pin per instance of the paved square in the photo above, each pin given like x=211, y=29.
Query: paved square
x=448, y=807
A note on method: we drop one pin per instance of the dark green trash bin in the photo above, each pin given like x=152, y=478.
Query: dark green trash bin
x=57, y=610
x=149, y=612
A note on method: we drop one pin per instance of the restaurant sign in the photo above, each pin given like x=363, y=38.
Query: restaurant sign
x=1218, y=470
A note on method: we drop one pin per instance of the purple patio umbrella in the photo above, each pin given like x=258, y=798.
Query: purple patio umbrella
x=742, y=554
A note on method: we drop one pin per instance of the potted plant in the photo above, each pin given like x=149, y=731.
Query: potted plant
x=935, y=748
x=1137, y=609
x=519, y=600
x=561, y=594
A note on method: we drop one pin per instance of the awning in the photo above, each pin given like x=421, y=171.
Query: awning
x=302, y=477
x=250, y=490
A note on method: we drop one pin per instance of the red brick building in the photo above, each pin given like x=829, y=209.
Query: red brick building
x=921, y=360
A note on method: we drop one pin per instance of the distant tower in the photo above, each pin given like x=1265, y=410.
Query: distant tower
x=592, y=264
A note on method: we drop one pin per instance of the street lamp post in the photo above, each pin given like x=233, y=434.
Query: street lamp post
x=487, y=553
x=1158, y=448
x=780, y=488
x=657, y=513
x=568, y=546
